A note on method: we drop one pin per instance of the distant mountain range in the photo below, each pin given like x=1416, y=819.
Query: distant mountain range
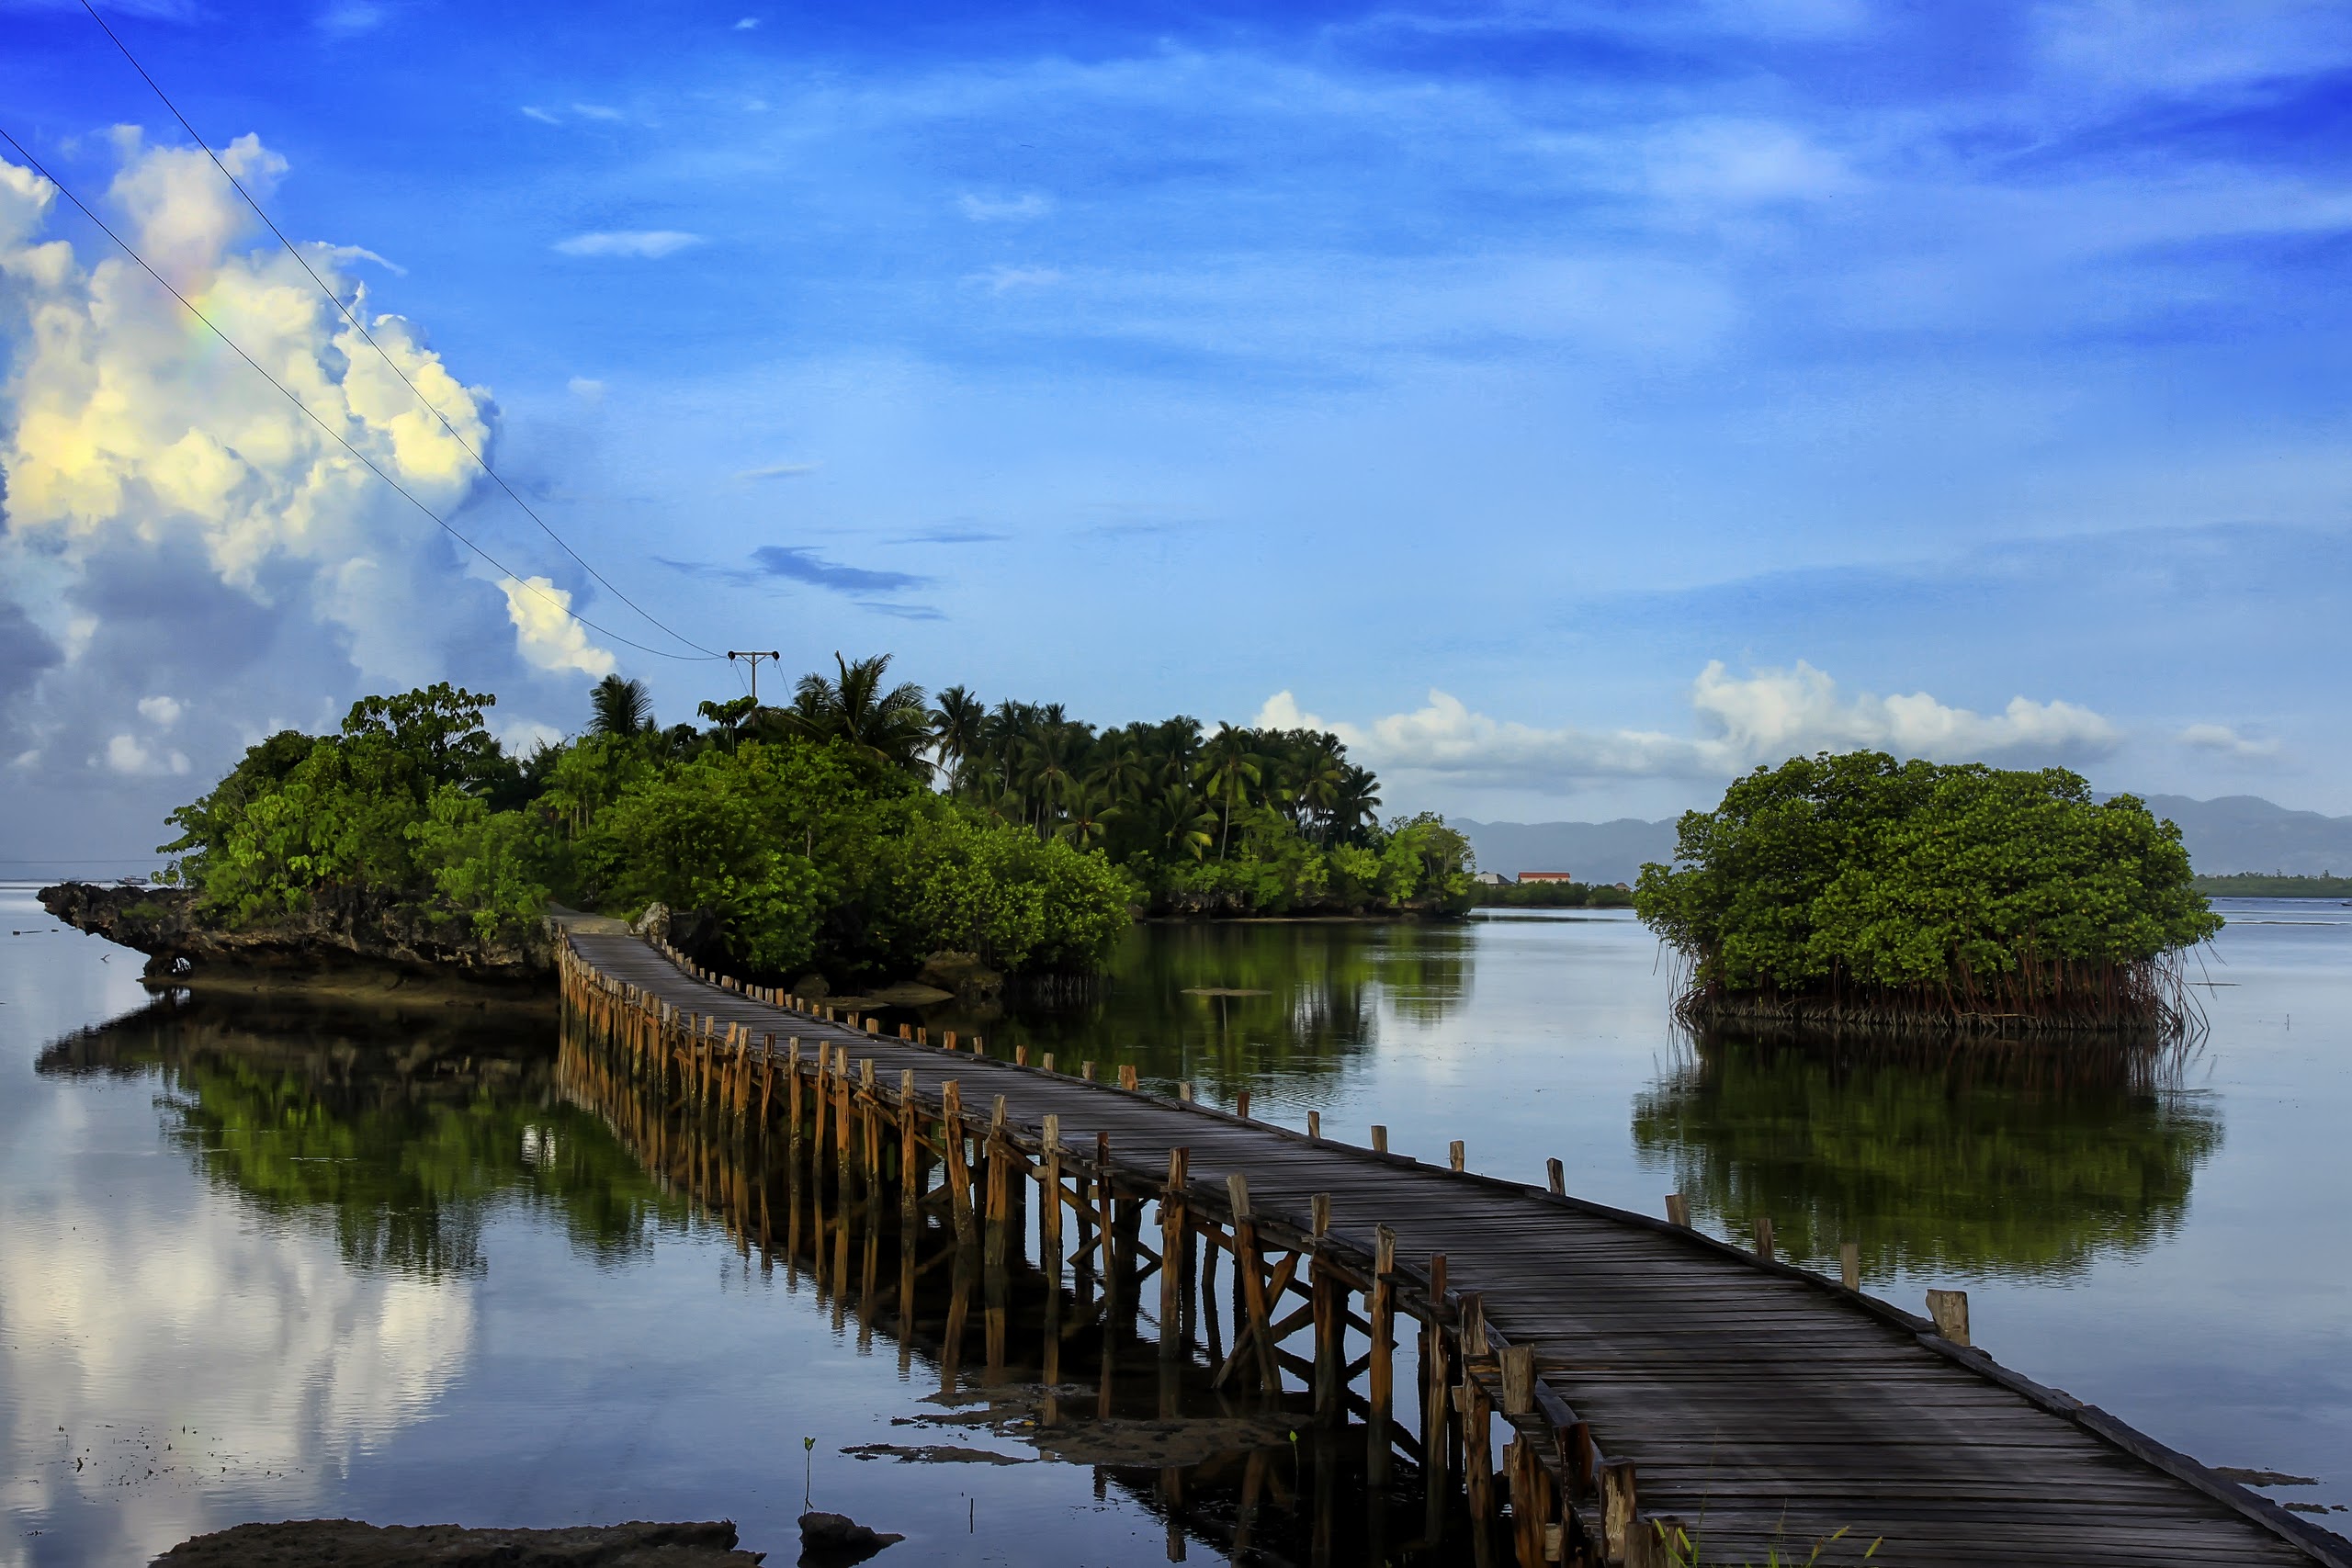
x=2237, y=832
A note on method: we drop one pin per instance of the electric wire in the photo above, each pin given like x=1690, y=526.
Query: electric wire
x=360, y=327
x=35, y=165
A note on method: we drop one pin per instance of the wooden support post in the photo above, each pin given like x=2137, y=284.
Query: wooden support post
x=1020, y=1056
x=792, y=1086
x=1184, y=1090
x=1474, y=1326
x=1000, y=1193
x=1764, y=1237
x=910, y=1166
x=1379, y=1139
x=1518, y=1363
x=1437, y=1410
x=947, y=1040
x=1555, y=1177
x=1620, y=1508
x=868, y=1121
x=1103, y=1199
x=1315, y=1124
x=823, y=1112
x=1049, y=1194
x=1127, y=1078
x=1530, y=1499
x=1950, y=1309
x=1253, y=1281
x=1329, y=1302
x=1478, y=1468
x=1242, y=1105
x=1173, y=1241
x=959, y=1170
x=1677, y=1209
x=1380, y=1311
x=1046, y=1061
x=1454, y=1154
x=1850, y=1266
x=1318, y=1210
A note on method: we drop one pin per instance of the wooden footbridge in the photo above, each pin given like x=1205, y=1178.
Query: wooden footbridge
x=1606, y=1387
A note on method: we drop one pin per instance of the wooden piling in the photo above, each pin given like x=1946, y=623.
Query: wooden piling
x=1173, y=1241
x=1454, y=1154
x=1555, y=1177
x=1949, y=1310
x=1049, y=1197
x=1380, y=1311
x=1379, y=1139
x=1251, y=1271
x=1677, y=1209
x=1764, y=1237
x=1849, y=1265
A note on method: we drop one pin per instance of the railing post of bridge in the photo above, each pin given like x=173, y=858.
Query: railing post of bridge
x=1049, y=1194
x=1172, y=1243
x=1330, y=1303
x=1380, y=1312
x=1437, y=1408
x=1620, y=1509
x=909, y=1161
x=1251, y=1268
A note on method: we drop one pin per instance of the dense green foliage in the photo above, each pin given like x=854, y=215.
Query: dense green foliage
x=1552, y=895
x=813, y=834
x=1241, y=822
x=1870, y=882
x=2257, y=885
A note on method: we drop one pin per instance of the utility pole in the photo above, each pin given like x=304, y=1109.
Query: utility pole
x=771, y=655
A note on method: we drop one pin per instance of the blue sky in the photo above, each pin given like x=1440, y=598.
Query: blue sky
x=1159, y=359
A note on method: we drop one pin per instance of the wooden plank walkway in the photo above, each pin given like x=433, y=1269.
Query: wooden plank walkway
x=1761, y=1405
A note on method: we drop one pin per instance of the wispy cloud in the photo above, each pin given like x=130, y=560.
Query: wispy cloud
x=779, y=471
x=597, y=111
x=347, y=18
x=532, y=111
x=951, y=534
x=645, y=243
x=904, y=612
x=2228, y=742
x=1003, y=209
x=1004, y=279
x=798, y=563
x=745, y=23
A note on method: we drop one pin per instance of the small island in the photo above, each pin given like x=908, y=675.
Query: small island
x=1835, y=892
x=860, y=837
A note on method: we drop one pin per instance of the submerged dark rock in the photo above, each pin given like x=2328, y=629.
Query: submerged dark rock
x=349, y=1543
x=836, y=1540
x=340, y=930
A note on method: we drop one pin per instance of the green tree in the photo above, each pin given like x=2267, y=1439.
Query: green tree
x=1856, y=881
x=891, y=724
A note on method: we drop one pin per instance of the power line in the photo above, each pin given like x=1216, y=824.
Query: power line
x=402, y=490
x=359, y=326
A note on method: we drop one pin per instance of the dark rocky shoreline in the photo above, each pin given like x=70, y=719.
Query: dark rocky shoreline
x=349, y=1543
x=345, y=938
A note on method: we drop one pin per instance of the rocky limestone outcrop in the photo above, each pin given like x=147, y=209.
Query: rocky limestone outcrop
x=348, y=1543
x=340, y=930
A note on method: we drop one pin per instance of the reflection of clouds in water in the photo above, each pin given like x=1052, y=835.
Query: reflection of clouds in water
x=196, y=1363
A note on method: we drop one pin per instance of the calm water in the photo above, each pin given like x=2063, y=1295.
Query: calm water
x=267, y=1263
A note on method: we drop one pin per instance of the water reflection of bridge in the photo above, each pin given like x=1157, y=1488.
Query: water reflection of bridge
x=1641, y=1375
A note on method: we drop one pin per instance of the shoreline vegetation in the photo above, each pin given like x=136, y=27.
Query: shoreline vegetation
x=861, y=835
x=1856, y=892
x=2274, y=884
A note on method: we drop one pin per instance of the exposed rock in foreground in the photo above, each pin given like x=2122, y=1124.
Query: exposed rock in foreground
x=348, y=1543
x=341, y=931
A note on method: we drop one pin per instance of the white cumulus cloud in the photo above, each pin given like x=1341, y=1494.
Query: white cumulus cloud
x=1765, y=718
x=170, y=521
x=544, y=632
x=650, y=244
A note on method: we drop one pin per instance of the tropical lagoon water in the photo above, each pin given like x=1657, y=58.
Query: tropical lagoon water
x=267, y=1262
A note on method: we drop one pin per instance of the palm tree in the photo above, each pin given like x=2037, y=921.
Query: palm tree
x=1228, y=770
x=955, y=726
x=1357, y=804
x=1090, y=817
x=1121, y=775
x=892, y=725
x=1049, y=769
x=1180, y=821
x=1321, y=781
x=620, y=707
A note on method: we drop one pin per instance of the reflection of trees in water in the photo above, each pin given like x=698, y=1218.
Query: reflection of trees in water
x=2026, y=1161
x=401, y=1131
x=1323, y=984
